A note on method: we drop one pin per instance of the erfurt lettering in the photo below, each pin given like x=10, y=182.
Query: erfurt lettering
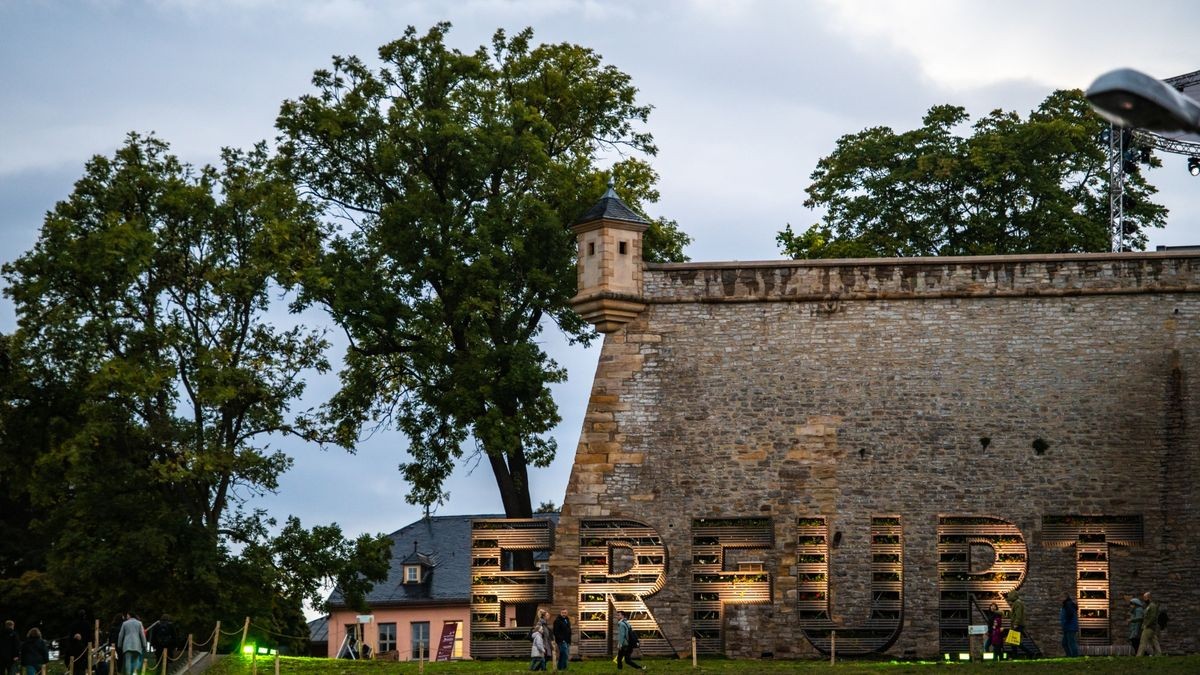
x=980, y=559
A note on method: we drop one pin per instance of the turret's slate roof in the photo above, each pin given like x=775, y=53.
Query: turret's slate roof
x=611, y=207
x=443, y=544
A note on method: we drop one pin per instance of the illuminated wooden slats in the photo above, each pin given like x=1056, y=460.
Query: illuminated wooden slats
x=886, y=617
x=1062, y=531
x=603, y=591
x=1091, y=535
x=494, y=589
x=713, y=585
x=957, y=584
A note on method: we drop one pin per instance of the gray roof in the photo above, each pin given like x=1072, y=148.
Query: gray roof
x=610, y=207
x=444, y=543
x=318, y=629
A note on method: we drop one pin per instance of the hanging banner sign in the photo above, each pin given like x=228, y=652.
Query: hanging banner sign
x=446, y=644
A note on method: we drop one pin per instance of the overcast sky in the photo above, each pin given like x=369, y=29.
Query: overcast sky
x=747, y=97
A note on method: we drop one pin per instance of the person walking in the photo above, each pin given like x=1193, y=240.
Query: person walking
x=537, y=651
x=1149, y=640
x=10, y=649
x=1017, y=619
x=34, y=652
x=162, y=637
x=1068, y=620
x=114, y=632
x=131, y=641
x=627, y=641
x=1137, y=610
x=562, y=638
x=995, y=634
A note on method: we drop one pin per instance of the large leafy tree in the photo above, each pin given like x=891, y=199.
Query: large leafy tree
x=1013, y=185
x=456, y=175
x=145, y=386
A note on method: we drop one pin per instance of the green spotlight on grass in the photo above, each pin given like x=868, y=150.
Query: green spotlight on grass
x=248, y=649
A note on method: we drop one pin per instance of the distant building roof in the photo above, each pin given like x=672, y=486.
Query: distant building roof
x=318, y=629
x=443, y=544
x=611, y=207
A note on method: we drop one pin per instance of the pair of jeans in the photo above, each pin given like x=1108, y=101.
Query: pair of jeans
x=1070, y=643
x=31, y=670
x=133, y=663
x=537, y=663
x=564, y=653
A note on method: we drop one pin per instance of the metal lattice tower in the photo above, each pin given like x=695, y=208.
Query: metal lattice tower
x=1116, y=187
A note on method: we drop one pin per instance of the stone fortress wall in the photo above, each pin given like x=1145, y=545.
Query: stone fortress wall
x=885, y=436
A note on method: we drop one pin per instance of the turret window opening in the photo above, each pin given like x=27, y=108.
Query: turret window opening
x=591, y=248
x=621, y=248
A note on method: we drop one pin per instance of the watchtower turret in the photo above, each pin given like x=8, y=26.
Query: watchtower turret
x=610, y=263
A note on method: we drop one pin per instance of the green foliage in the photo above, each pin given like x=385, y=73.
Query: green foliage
x=455, y=176
x=1034, y=185
x=143, y=387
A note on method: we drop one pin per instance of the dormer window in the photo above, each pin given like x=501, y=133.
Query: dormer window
x=412, y=574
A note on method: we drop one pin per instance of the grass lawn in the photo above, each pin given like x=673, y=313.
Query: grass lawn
x=234, y=665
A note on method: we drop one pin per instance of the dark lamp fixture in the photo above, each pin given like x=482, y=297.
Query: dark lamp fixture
x=1134, y=99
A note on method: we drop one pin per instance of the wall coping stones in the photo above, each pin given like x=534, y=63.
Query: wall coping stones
x=1051, y=275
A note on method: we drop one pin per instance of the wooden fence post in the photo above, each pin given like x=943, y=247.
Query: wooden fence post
x=832, y=647
x=216, y=639
x=188, y=667
x=245, y=631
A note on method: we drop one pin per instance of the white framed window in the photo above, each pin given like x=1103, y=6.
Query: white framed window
x=387, y=637
x=420, y=640
x=412, y=574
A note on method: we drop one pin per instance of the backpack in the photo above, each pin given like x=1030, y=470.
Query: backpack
x=633, y=638
x=1162, y=619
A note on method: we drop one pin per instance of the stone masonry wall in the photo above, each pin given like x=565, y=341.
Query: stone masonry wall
x=856, y=388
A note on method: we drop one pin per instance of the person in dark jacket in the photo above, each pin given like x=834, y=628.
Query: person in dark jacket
x=162, y=636
x=1068, y=619
x=562, y=638
x=10, y=649
x=114, y=632
x=75, y=654
x=34, y=652
x=1137, y=609
x=995, y=634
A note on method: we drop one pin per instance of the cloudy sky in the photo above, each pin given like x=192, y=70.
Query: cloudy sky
x=747, y=96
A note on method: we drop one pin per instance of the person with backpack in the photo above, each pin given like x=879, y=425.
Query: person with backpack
x=1151, y=625
x=627, y=641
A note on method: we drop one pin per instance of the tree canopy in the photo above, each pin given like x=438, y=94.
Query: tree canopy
x=144, y=387
x=454, y=177
x=1013, y=185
